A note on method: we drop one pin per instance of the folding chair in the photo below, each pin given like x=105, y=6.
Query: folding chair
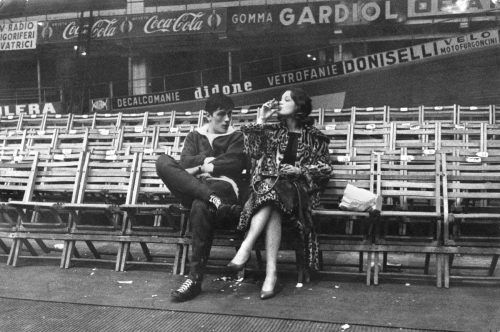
x=162, y=119
x=439, y=113
x=470, y=114
x=465, y=136
x=106, y=183
x=107, y=120
x=417, y=139
x=369, y=115
x=71, y=141
x=372, y=137
x=411, y=218
x=56, y=182
x=471, y=189
x=12, y=142
x=341, y=230
x=132, y=120
x=187, y=121
x=412, y=115
x=79, y=121
x=57, y=121
x=10, y=122
x=16, y=183
x=41, y=140
x=170, y=141
x=491, y=139
x=340, y=135
x=149, y=220
x=103, y=139
x=136, y=139
x=31, y=121
x=336, y=115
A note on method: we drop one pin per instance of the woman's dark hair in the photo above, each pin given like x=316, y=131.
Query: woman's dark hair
x=304, y=106
x=218, y=100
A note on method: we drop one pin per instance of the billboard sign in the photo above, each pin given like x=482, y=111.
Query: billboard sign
x=328, y=14
x=424, y=8
x=422, y=51
x=138, y=26
x=18, y=36
x=32, y=109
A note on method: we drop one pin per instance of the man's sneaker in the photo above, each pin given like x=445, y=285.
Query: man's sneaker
x=188, y=290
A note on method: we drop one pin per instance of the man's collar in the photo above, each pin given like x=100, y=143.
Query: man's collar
x=204, y=131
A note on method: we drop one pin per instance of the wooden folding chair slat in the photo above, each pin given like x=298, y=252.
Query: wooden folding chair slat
x=471, y=199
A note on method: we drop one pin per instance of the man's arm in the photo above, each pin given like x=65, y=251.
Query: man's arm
x=233, y=161
x=190, y=156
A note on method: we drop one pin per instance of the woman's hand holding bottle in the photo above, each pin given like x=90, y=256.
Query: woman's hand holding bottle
x=267, y=110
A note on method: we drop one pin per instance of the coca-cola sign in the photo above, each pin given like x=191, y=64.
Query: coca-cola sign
x=157, y=24
x=186, y=22
x=102, y=28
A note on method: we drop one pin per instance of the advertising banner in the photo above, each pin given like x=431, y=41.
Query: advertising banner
x=147, y=100
x=422, y=51
x=328, y=14
x=138, y=26
x=423, y=8
x=18, y=36
x=34, y=108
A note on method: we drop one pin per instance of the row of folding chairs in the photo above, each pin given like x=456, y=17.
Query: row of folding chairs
x=98, y=120
x=433, y=205
x=455, y=114
x=442, y=205
x=418, y=139
x=62, y=142
x=88, y=198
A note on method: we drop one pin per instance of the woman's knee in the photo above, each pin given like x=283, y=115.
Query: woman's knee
x=263, y=213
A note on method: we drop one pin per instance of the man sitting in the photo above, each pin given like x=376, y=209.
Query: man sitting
x=206, y=180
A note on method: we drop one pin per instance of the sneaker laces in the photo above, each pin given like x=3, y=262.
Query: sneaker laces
x=185, y=286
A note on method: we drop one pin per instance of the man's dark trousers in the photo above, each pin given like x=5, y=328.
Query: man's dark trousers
x=194, y=193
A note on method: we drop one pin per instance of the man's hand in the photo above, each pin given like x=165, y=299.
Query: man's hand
x=207, y=166
x=193, y=170
x=208, y=160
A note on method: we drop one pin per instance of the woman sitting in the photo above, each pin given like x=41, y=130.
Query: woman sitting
x=290, y=162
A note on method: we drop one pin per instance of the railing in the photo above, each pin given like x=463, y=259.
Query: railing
x=29, y=95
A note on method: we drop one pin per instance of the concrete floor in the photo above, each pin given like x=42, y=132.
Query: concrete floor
x=395, y=304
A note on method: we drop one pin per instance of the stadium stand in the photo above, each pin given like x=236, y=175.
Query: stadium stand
x=88, y=178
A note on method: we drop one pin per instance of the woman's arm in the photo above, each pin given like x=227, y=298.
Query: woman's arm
x=317, y=168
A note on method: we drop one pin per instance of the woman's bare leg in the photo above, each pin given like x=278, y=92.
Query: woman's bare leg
x=273, y=241
x=257, y=225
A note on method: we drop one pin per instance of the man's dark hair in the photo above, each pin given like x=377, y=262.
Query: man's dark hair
x=218, y=100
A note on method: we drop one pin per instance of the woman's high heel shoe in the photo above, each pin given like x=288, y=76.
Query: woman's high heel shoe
x=233, y=267
x=236, y=267
x=264, y=295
